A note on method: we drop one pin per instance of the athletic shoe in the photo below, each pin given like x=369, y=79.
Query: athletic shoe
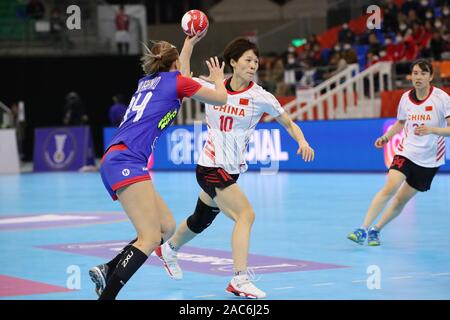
x=373, y=237
x=170, y=261
x=242, y=286
x=358, y=236
x=99, y=276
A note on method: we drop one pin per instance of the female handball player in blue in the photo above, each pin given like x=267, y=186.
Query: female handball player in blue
x=124, y=172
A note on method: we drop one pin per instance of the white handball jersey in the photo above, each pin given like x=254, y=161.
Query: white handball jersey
x=429, y=150
x=230, y=126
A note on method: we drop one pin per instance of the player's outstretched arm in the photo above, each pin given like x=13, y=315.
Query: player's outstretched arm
x=396, y=128
x=296, y=133
x=218, y=96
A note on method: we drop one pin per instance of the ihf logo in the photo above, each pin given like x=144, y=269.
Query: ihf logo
x=59, y=149
x=126, y=172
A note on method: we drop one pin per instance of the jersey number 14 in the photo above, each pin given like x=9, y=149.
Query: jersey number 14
x=137, y=106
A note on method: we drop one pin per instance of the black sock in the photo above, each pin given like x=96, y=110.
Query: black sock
x=113, y=263
x=132, y=260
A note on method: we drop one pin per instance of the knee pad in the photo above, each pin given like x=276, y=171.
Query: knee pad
x=202, y=217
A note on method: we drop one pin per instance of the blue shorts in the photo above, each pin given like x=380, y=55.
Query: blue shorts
x=121, y=167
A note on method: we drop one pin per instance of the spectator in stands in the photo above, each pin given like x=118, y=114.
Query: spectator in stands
x=277, y=76
x=390, y=12
x=122, y=31
x=349, y=54
x=423, y=9
x=412, y=17
x=446, y=54
x=117, y=110
x=390, y=48
x=336, y=50
x=292, y=72
x=371, y=59
x=409, y=5
x=411, y=49
x=374, y=44
x=437, y=46
x=57, y=29
x=74, y=111
x=316, y=56
x=18, y=123
x=35, y=9
x=346, y=35
x=445, y=18
x=308, y=78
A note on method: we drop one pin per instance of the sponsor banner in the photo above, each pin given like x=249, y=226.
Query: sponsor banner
x=340, y=145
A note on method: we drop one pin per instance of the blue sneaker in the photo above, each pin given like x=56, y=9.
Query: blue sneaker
x=373, y=237
x=358, y=236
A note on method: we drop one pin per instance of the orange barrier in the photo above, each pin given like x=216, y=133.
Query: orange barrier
x=390, y=100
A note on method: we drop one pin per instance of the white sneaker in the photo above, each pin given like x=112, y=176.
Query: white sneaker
x=242, y=286
x=169, y=258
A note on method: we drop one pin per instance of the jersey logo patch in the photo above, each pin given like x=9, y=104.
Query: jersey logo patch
x=169, y=116
x=429, y=108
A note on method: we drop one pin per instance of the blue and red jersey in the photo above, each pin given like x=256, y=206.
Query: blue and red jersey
x=152, y=109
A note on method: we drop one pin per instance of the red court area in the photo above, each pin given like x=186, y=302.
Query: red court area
x=11, y=286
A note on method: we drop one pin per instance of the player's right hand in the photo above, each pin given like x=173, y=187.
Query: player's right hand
x=381, y=141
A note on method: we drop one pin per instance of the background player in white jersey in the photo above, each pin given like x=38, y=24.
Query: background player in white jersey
x=223, y=159
x=424, y=115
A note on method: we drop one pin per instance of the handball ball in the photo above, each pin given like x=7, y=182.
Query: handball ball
x=193, y=22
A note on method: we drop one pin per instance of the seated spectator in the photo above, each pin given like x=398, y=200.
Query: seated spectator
x=35, y=9
x=372, y=58
x=409, y=5
x=423, y=9
x=346, y=35
x=411, y=49
x=437, y=46
x=292, y=72
x=374, y=45
x=349, y=54
x=390, y=12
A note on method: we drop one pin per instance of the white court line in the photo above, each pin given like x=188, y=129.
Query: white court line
x=206, y=296
x=400, y=278
x=323, y=284
x=283, y=288
x=359, y=281
x=440, y=274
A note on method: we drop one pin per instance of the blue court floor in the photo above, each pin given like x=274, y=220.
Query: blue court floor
x=55, y=226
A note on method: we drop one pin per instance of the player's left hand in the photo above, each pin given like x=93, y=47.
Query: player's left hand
x=423, y=130
x=306, y=151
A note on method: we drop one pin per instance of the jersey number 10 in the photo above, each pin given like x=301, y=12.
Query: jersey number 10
x=226, y=123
